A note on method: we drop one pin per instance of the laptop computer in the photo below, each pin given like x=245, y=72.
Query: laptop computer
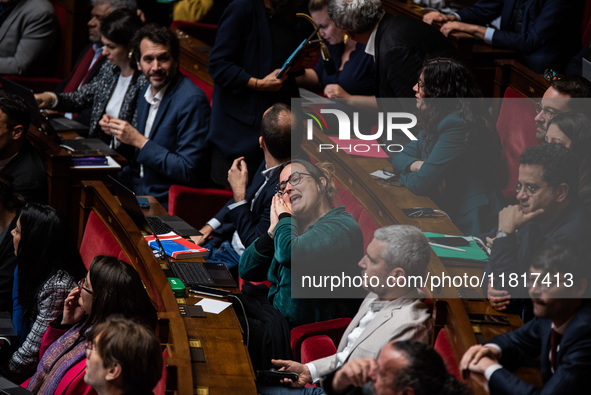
x=82, y=147
x=157, y=225
x=7, y=387
x=191, y=273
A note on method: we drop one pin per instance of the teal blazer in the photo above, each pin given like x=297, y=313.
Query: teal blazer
x=459, y=177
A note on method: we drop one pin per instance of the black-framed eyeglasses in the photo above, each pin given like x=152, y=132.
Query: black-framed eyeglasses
x=549, y=112
x=529, y=189
x=294, y=179
x=81, y=284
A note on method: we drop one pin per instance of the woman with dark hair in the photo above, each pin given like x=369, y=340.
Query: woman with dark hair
x=116, y=88
x=48, y=264
x=10, y=205
x=455, y=157
x=573, y=130
x=110, y=287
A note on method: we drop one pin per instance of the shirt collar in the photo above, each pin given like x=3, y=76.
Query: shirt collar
x=562, y=328
x=154, y=99
x=97, y=48
x=370, y=47
x=267, y=173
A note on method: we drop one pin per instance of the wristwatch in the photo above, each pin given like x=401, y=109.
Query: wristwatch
x=501, y=234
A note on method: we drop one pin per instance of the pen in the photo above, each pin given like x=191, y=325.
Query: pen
x=448, y=247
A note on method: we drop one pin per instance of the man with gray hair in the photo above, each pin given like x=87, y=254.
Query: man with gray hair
x=392, y=310
x=399, y=44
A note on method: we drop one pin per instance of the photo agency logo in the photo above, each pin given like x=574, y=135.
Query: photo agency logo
x=376, y=129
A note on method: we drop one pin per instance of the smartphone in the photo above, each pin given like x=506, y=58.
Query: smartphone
x=143, y=202
x=489, y=319
x=275, y=376
x=209, y=291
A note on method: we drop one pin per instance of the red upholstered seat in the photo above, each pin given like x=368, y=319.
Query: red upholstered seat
x=443, y=347
x=98, y=240
x=160, y=388
x=517, y=131
x=586, y=24
x=205, y=32
x=196, y=205
x=316, y=336
x=205, y=87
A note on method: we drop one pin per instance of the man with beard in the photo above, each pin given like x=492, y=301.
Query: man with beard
x=557, y=100
x=548, y=210
x=172, y=121
x=560, y=333
x=387, y=312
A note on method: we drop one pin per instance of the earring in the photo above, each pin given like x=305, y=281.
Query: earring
x=130, y=54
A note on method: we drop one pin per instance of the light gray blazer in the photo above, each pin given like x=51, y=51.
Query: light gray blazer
x=403, y=318
x=26, y=37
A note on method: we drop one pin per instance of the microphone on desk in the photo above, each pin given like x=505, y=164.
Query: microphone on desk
x=329, y=65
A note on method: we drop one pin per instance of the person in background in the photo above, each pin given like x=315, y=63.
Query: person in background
x=545, y=33
x=27, y=36
x=246, y=216
x=549, y=210
x=122, y=357
x=559, y=335
x=387, y=313
x=254, y=39
x=399, y=44
x=573, y=130
x=454, y=159
x=19, y=162
x=354, y=74
x=403, y=367
x=116, y=88
x=91, y=59
x=563, y=95
x=168, y=139
x=48, y=263
x=110, y=287
x=10, y=206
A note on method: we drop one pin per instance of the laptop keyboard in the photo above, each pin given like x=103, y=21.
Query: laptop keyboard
x=191, y=273
x=158, y=226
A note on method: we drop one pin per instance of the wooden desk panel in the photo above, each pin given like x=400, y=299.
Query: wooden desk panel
x=194, y=56
x=227, y=369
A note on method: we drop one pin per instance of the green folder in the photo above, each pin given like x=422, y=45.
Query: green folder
x=472, y=253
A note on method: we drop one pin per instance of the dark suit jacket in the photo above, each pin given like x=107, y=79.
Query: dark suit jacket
x=250, y=224
x=27, y=172
x=513, y=253
x=175, y=151
x=243, y=49
x=532, y=340
x=549, y=34
x=402, y=44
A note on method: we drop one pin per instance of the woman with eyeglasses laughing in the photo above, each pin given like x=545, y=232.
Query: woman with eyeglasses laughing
x=305, y=230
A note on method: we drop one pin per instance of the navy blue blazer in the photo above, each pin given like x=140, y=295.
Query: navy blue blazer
x=243, y=49
x=175, y=151
x=250, y=223
x=533, y=340
x=550, y=30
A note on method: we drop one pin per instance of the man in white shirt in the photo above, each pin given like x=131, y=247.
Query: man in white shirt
x=172, y=121
x=388, y=312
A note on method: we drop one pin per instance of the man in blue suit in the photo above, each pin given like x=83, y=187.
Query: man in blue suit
x=560, y=334
x=247, y=216
x=172, y=121
x=546, y=33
